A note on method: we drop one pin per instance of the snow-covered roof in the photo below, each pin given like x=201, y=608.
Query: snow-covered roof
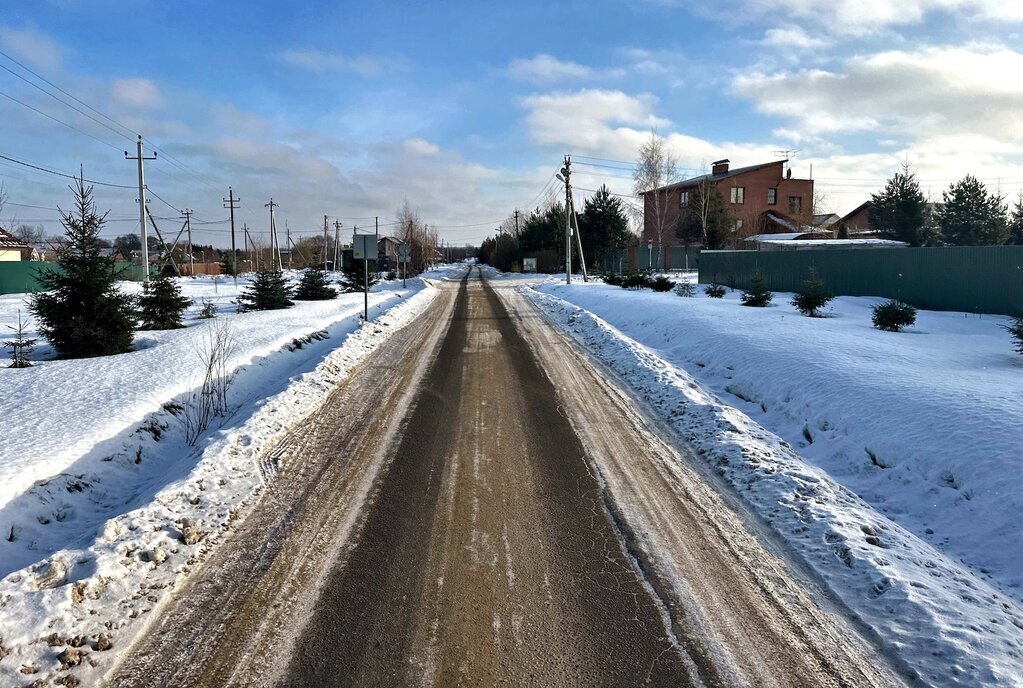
x=10, y=242
x=784, y=236
x=832, y=242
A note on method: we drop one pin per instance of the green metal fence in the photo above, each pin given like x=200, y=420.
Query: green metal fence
x=673, y=258
x=974, y=279
x=18, y=277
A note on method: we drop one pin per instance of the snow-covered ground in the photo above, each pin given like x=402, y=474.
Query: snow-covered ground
x=99, y=489
x=891, y=463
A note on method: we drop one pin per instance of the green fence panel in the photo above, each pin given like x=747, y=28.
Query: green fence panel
x=673, y=258
x=19, y=277
x=973, y=279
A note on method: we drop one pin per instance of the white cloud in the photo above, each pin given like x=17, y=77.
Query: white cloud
x=792, y=37
x=136, y=93
x=586, y=119
x=31, y=46
x=851, y=17
x=319, y=61
x=420, y=147
x=548, y=69
x=613, y=124
x=913, y=93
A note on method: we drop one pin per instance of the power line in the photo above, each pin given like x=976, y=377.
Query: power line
x=79, y=100
x=60, y=100
x=61, y=174
x=58, y=121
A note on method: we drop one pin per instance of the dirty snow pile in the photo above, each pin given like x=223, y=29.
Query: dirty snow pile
x=104, y=504
x=891, y=463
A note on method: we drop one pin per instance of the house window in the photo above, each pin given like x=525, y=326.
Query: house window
x=738, y=195
x=684, y=199
x=772, y=196
x=795, y=204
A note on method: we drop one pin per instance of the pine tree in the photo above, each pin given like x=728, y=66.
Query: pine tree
x=970, y=216
x=353, y=277
x=229, y=264
x=757, y=295
x=314, y=287
x=268, y=292
x=161, y=305
x=603, y=226
x=813, y=297
x=1015, y=224
x=21, y=346
x=81, y=311
x=898, y=212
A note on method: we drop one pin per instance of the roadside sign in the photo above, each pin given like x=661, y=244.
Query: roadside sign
x=529, y=265
x=404, y=253
x=364, y=247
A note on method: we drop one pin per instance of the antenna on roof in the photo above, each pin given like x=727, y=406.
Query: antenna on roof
x=787, y=154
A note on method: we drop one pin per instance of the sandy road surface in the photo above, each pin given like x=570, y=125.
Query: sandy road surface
x=500, y=516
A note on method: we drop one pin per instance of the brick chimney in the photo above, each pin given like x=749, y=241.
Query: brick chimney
x=719, y=167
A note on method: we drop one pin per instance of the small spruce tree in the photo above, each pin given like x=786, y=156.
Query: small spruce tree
x=352, y=277
x=21, y=346
x=268, y=292
x=81, y=311
x=229, y=264
x=1016, y=330
x=892, y=315
x=757, y=295
x=714, y=290
x=314, y=287
x=161, y=305
x=813, y=297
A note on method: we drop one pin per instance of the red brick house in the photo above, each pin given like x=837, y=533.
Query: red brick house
x=749, y=193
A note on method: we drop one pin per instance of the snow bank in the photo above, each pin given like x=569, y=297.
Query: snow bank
x=57, y=411
x=903, y=396
x=101, y=543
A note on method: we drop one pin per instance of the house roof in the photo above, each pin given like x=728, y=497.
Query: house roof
x=11, y=242
x=787, y=237
x=821, y=243
x=855, y=210
x=693, y=181
x=825, y=219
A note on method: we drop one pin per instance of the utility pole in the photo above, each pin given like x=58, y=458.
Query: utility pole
x=376, y=242
x=337, y=243
x=579, y=242
x=187, y=214
x=275, y=249
x=250, y=242
x=231, y=200
x=324, y=243
x=566, y=176
x=516, y=222
x=142, y=205
x=287, y=243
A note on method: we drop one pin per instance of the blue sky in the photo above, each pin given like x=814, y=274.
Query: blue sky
x=465, y=109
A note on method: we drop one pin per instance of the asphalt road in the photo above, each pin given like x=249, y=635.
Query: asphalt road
x=496, y=512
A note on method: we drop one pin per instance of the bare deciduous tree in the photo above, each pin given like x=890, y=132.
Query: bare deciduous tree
x=656, y=168
x=421, y=240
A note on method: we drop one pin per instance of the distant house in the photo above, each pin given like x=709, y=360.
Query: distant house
x=857, y=222
x=750, y=195
x=13, y=249
x=116, y=254
x=825, y=220
x=387, y=250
